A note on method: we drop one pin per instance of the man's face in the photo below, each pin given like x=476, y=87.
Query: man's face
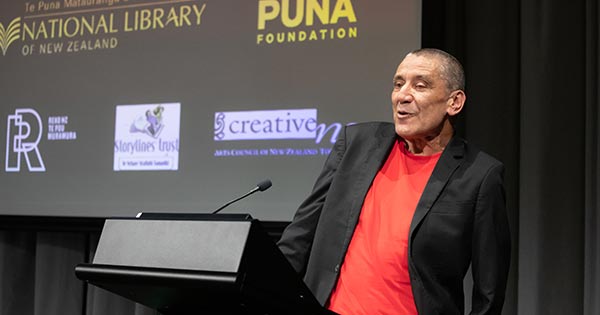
x=420, y=98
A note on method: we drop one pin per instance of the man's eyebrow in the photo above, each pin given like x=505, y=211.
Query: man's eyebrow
x=419, y=77
x=423, y=77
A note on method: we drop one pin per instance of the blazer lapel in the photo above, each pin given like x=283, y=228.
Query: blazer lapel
x=374, y=158
x=373, y=161
x=450, y=160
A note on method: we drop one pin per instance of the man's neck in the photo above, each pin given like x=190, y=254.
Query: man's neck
x=432, y=144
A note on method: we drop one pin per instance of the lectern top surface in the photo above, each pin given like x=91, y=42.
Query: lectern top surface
x=177, y=244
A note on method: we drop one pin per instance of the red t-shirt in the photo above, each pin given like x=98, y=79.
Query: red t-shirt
x=374, y=277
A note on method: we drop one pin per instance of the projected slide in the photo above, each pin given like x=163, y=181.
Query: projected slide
x=112, y=107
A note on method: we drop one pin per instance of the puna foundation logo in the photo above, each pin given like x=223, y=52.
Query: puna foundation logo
x=295, y=21
x=74, y=26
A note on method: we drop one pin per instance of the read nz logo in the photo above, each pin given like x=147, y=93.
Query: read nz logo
x=9, y=34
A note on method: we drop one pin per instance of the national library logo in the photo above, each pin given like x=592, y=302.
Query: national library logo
x=9, y=34
x=76, y=26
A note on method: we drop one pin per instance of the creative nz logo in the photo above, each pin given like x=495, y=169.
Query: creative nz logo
x=272, y=125
x=9, y=34
x=24, y=132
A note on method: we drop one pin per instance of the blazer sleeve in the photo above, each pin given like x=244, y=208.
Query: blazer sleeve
x=297, y=239
x=491, y=245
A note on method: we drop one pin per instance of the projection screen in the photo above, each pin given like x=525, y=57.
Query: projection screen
x=113, y=107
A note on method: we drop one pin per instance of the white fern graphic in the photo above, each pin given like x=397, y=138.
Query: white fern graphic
x=10, y=34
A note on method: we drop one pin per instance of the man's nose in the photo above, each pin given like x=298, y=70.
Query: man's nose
x=404, y=95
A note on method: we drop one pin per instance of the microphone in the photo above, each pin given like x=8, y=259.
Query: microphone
x=262, y=186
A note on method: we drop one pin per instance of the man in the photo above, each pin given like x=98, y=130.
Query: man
x=401, y=210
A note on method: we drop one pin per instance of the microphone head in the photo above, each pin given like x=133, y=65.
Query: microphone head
x=264, y=185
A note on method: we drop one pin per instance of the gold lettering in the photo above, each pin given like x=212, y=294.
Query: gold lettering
x=198, y=13
x=270, y=38
x=112, y=24
x=321, y=10
x=41, y=31
x=172, y=18
x=158, y=15
x=126, y=26
x=304, y=12
x=280, y=37
x=75, y=24
x=301, y=36
x=136, y=22
x=101, y=25
x=312, y=35
x=352, y=32
x=285, y=16
x=28, y=31
x=145, y=22
x=53, y=28
x=86, y=25
x=264, y=14
x=343, y=9
x=184, y=11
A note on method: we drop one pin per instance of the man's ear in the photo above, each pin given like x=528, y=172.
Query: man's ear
x=456, y=102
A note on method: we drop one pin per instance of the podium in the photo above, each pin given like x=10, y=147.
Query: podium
x=197, y=264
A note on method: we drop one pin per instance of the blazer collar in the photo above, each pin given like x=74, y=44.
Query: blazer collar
x=373, y=160
x=449, y=161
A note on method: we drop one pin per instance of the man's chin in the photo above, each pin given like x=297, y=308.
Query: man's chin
x=404, y=133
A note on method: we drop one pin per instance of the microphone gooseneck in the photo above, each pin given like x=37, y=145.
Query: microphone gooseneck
x=262, y=186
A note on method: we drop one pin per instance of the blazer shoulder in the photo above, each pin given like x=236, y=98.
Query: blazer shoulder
x=477, y=156
x=369, y=130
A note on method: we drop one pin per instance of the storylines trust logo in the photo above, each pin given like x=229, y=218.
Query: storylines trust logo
x=147, y=137
x=284, y=124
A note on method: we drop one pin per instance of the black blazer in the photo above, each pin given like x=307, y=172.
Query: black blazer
x=460, y=220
